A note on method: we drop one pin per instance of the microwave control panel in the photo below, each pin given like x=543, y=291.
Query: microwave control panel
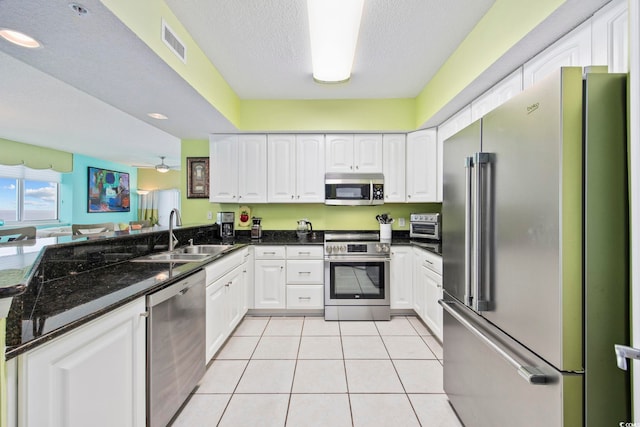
x=378, y=192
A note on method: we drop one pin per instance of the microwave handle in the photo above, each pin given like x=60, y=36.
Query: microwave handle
x=371, y=192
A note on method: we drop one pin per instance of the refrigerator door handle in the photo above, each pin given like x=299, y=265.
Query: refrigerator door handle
x=531, y=374
x=468, y=227
x=480, y=303
x=623, y=353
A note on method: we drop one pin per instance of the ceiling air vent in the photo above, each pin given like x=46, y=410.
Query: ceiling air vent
x=170, y=39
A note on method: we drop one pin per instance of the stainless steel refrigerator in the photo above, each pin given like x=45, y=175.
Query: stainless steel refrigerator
x=535, y=253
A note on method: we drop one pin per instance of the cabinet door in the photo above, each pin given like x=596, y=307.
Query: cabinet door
x=422, y=171
x=574, y=49
x=92, y=376
x=247, y=270
x=252, y=169
x=270, y=284
x=457, y=122
x=506, y=89
x=401, y=277
x=281, y=182
x=367, y=153
x=235, y=298
x=216, y=327
x=419, y=292
x=433, y=292
x=394, y=168
x=339, y=153
x=611, y=37
x=223, y=172
x=310, y=169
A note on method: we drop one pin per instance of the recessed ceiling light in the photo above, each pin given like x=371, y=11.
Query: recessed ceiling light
x=157, y=116
x=18, y=38
x=79, y=9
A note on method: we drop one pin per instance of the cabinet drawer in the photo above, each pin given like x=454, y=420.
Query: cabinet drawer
x=429, y=260
x=305, y=272
x=305, y=252
x=305, y=296
x=269, y=252
x=221, y=267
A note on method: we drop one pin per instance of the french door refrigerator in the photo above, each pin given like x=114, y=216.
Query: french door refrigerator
x=535, y=253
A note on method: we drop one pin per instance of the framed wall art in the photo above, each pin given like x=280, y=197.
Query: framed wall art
x=197, y=177
x=108, y=191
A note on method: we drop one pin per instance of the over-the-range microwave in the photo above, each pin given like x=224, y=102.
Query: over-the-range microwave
x=353, y=189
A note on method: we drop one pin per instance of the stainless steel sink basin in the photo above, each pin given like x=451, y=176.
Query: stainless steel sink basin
x=191, y=253
x=173, y=257
x=204, y=249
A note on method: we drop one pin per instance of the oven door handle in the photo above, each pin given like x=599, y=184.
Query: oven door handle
x=342, y=258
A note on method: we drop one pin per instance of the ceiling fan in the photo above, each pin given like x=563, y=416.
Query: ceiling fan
x=162, y=167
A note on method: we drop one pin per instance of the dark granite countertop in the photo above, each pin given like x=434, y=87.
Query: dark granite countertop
x=73, y=281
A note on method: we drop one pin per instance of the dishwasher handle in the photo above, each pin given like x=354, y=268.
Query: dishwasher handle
x=179, y=288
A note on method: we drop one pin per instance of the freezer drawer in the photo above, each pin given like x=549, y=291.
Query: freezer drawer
x=488, y=390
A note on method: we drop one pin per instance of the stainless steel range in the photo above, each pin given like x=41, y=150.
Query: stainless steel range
x=356, y=276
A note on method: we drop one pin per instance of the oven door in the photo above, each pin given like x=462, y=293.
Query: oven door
x=357, y=281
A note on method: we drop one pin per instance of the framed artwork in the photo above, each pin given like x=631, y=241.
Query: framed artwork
x=197, y=177
x=108, y=191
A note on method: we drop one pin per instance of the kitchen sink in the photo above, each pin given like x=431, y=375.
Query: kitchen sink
x=204, y=249
x=191, y=253
x=173, y=257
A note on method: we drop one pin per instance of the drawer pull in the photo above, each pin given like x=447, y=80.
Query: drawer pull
x=304, y=272
x=269, y=253
x=304, y=253
x=305, y=298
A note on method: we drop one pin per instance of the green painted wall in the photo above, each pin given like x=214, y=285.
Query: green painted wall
x=506, y=23
x=328, y=115
x=150, y=179
x=33, y=156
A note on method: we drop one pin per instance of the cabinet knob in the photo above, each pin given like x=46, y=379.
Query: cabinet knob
x=409, y=195
x=357, y=167
x=292, y=196
x=298, y=196
x=351, y=167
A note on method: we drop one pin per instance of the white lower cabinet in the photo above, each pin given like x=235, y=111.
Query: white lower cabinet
x=401, y=277
x=305, y=296
x=270, y=283
x=289, y=277
x=91, y=376
x=427, y=285
x=226, y=300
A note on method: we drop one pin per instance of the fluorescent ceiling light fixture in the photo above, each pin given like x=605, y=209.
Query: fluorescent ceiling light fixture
x=18, y=38
x=333, y=26
x=157, y=116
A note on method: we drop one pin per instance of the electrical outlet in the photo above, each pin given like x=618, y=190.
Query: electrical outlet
x=209, y=215
x=401, y=222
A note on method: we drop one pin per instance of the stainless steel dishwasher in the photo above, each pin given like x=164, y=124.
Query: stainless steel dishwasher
x=175, y=346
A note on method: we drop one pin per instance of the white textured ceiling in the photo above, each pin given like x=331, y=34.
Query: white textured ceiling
x=89, y=88
x=262, y=47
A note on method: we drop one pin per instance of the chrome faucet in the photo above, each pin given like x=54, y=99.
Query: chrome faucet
x=172, y=238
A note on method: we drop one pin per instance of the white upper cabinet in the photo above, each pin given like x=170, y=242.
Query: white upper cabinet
x=503, y=91
x=394, y=167
x=223, y=173
x=422, y=170
x=455, y=123
x=610, y=40
x=295, y=168
x=354, y=153
x=574, y=49
x=238, y=168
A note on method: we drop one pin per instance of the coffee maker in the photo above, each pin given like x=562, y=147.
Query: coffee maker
x=225, y=221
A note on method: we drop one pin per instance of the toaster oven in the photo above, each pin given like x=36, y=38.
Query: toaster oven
x=425, y=226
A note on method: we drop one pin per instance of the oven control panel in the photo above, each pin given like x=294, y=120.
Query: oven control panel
x=360, y=248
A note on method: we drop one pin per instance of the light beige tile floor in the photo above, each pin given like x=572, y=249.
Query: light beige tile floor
x=296, y=372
